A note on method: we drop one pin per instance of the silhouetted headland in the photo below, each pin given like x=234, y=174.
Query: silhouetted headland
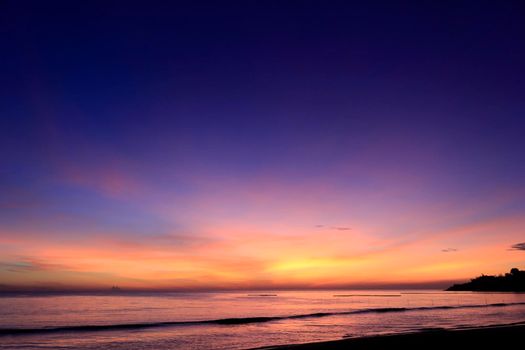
x=510, y=282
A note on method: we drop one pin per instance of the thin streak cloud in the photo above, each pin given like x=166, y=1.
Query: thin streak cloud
x=518, y=246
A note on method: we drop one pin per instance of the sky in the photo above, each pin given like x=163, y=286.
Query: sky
x=260, y=144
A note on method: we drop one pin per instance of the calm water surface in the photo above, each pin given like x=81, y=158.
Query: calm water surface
x=239, y=320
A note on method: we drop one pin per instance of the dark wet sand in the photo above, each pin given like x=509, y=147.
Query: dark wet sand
x=498, y=337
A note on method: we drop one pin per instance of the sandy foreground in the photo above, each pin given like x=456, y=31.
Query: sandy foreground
x=496, y=337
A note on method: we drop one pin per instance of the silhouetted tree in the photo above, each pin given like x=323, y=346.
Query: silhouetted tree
x=510, y=282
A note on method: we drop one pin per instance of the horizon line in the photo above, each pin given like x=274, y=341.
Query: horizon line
x=116, y=289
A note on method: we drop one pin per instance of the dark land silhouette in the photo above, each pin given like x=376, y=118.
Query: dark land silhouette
x=510, y=282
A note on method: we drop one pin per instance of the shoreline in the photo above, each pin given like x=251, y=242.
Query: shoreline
x=457, y=338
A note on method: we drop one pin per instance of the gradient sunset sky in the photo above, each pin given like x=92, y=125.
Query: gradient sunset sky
x=260, y=144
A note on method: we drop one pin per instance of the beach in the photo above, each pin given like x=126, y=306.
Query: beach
x=474, y=338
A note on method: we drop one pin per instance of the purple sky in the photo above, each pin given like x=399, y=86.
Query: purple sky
x=257, y=144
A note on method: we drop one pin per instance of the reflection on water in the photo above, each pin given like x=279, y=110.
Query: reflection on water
x=333, y=314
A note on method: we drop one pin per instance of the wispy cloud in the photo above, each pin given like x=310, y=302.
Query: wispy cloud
x=28, y=265
x=449, y=250
x=518, y=246
x=338, y=228
x=111, y=180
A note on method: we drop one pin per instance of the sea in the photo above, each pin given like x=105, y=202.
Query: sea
x=239, y=320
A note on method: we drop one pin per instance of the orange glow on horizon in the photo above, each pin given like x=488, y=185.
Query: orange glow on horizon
x=271, y=259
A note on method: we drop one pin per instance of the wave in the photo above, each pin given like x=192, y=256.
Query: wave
x=235, y=321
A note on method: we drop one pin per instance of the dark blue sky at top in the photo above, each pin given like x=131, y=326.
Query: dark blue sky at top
x=291, y=89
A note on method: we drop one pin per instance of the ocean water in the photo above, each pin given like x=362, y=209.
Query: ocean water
x=239, y=320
